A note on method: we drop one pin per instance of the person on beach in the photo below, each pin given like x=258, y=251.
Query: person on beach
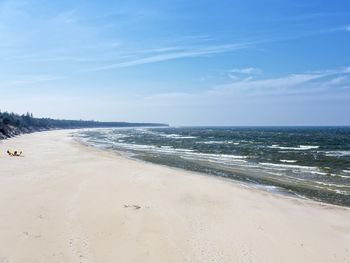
x=15, y=153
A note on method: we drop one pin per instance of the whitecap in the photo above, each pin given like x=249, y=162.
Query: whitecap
x=218, y=142
x=308, y=147
x=288, y=161
x=288, y=166
x=212, y=142
x=339, y=175
x=330, y=184
x=337, y=153
x=299, y=148
x=176, y=136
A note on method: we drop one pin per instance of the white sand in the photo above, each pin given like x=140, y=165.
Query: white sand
x=64, y=202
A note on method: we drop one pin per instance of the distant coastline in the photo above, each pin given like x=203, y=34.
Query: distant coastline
x=12, y=124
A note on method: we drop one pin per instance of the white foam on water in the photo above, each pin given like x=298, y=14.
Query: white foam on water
x=99, y=145
x=222, y=155
x=292, y=168
x=212, y=142
x=269, y=188
x=289, y=166
x=251, y=165
x=341, y=192
x=318, y=172
x=299, y=148
x=118, y=136
x=151, y=148
x=166, y=147
x=217, y=158
x=339, y=175
x=284, y=176
x=134, y=146
x=330, y=184
x=337, y=153
x=308, y=147
x=288, y=161
x=219, y=142
x=176, y=136
x=184, y=150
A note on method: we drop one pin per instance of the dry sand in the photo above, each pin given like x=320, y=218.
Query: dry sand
x=64, y=202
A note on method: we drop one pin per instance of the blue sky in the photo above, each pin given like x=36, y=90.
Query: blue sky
x=253, y=62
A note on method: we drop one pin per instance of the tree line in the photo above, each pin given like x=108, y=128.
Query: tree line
x=12, y=124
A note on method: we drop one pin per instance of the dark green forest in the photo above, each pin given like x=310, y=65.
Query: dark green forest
x=12, y=124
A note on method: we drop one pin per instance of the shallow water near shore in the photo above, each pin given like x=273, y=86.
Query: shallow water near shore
x=310, y=162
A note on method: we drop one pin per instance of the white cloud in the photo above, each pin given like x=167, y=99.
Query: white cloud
x=336, y=81
x=249, y=71
x=347, y=28
x=233, y=77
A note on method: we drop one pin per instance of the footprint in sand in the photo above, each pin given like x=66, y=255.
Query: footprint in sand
x=136, y=207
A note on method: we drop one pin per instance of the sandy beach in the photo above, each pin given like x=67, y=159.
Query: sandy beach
x=66, y=202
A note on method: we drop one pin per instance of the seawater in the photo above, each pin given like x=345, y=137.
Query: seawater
x=310, y=162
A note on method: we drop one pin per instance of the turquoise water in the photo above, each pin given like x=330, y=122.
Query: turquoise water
x=309, y=162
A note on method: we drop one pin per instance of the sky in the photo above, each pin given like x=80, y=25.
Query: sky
x=227, y=62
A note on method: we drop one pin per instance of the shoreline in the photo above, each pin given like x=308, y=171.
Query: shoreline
x=236, y=183
x=68, y=202
x=252, y=186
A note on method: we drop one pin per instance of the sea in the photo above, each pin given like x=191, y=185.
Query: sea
x=307, y=162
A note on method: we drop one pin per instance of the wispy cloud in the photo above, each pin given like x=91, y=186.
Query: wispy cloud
x=75, y=36
x=165, y=56
x=316, y=84
x=200, y=49
x=248, y=71
x=282, y=82
x=80, y=40
x=31, y=58
x=307, y=82
x=28, y=79
x=308, y=17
